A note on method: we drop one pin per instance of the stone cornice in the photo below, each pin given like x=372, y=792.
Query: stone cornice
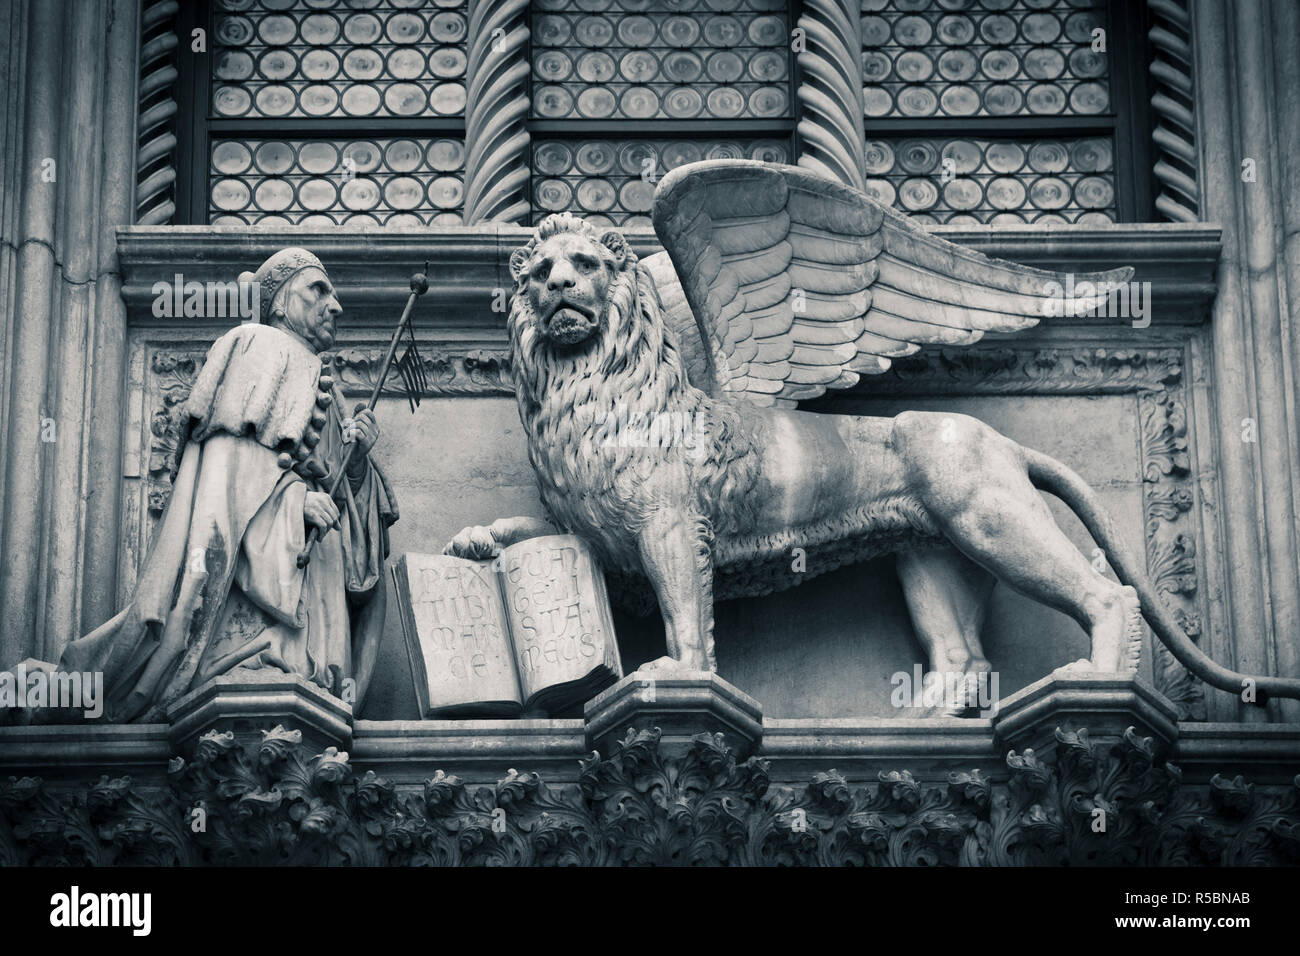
x=468, y=265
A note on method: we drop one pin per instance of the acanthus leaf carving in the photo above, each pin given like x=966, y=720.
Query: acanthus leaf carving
x=272, y=801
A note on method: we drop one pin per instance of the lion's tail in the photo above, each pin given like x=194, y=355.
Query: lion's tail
x=1050, y=475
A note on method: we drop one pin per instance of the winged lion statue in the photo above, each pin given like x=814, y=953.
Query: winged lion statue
x=658, y=399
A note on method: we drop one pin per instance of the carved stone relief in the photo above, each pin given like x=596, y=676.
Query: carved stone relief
x=275, y=802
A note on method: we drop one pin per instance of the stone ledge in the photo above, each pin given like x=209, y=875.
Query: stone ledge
x=408, y=750
x=371, y=267
x=1268, y=753
x=76, y=749
x=798, y=745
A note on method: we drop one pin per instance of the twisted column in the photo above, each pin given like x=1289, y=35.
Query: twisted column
x=496, y=110
x=155, y=160
x=1173, y=104
x=830, y=132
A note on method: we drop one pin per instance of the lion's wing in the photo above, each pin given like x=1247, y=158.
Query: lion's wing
x=797, y=284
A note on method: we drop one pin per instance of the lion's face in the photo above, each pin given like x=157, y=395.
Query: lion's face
x=567, y=280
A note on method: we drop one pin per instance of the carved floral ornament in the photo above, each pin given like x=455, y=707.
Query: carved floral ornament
x=274, y=802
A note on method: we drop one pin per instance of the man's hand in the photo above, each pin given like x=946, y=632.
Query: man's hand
x=362, y=429
x=319, y=511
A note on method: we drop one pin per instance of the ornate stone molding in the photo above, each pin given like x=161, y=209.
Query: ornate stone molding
x=1020, y=371
x=496, y=110
x=273, y=801
x=1170, y=536
x=172, y=377
x=156, y=137
x=469, y=265
x=1174, y=105
x=830, y=131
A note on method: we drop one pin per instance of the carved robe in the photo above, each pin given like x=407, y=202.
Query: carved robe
x=221, y=587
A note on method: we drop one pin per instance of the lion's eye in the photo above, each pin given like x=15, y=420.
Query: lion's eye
x=585, y=263
x=542, y=270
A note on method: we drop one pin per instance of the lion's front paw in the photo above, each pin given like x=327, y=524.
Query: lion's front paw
x=476, y=543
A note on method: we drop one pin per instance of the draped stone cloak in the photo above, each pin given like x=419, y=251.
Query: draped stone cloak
x=221, y=588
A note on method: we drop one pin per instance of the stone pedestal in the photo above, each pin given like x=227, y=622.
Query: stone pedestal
x=1105, y=704
x=249, y=702
x=681, y=704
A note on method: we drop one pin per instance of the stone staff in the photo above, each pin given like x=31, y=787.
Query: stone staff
x=412, y=377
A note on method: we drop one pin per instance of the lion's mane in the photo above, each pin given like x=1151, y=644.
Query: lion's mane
x=591, y=478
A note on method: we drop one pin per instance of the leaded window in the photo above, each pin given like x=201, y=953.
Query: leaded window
x=331, y=112
x=353, y=112
x=1005, y=111
x=625, y=90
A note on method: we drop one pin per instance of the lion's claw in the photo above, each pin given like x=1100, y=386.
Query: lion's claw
x=476, y=543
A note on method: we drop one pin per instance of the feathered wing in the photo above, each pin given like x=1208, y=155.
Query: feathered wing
x=791, y=284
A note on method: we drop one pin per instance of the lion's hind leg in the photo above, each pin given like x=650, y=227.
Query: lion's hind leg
x=947, y=598
x=975, y=484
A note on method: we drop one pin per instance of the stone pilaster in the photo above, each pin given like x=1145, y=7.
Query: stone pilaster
x=27, y=457
x=1255, y=435
x=1286, y=105
x=74, y=181
x=13, y=57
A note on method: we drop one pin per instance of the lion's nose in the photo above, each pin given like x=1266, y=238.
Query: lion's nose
x=560, y=278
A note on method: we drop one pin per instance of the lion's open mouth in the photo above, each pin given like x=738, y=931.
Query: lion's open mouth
x=570, y=324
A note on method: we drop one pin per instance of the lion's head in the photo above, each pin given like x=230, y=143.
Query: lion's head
x=567, y=272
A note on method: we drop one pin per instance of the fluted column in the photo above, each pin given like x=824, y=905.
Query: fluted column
x=74, y=183
x=27, y=457
x=496, y=110
x=1236, y=112
x=1286, y=97
x=106, y=394
x=830, y=131
x=13, y=70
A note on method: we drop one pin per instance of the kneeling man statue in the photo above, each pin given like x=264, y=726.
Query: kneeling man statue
x=221, y=588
